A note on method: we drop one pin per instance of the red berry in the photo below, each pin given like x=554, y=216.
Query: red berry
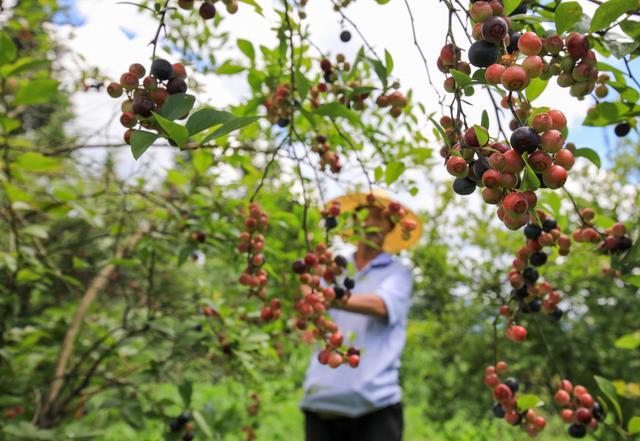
x=514, y=78
x=336, y=339
x=529, y=43
x=501, y=367
x=562, y=398
x=513, y=161
x=577, y=45
x=138, y=70
x=541, y=122
x=114, y=90
x=558, y=119
x=567, y=415
x=457, y=166
x=533, y=66
x=551, y=141
x=586, y=400
x=502, y=392
x=515, y=203
x=491, y=380
x=493, y=74
x=555, y=177
x=311, y=259
x=583, y=415
x=565, y=159
x=323, y=357
x=491, y=178
x=354, y=360
x=335, y=360
x=480, y=11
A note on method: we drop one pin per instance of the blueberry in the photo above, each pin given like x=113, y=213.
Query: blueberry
x=513, y=42
x=183, y=418
x=625, y=243
x=299, y=266
x=577, y=431
x=538, y=259
x=188, y=436
x=532, y=231
x=549, y=224
x=175, y=426
x=530, y=275
x=349, y=283
x=622, y=129
x=340, y=292
x=330, y=223
x=340, y=261
x=498, y=410
x=556, y=314
x=176, y=85
x=597, y=411
x=161, y=69
x=345, y=36
x=525, y=139
x=464, y=186
x=483, y=54
x=282, y=122
x=143, y=105
x=512, y=384
x=520, y=293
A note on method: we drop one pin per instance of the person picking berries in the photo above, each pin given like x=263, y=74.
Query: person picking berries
x=365, y=403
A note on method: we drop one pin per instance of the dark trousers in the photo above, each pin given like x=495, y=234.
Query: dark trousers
x=382, y=425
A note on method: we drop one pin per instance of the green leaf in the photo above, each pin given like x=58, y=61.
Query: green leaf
x=23, y=65
x=140, y=142
x=206, y=118
x=335, y=110
x=619, y=45
x=186, y=390
x=631, y=28
x=380, y=70
x=393, y=171
x=634, y=425
x=202, y=159
x=177, y=106
x=609, y=391
x=36, y=92
x=482, y=134
x=35, y=230
x=484, y=121
x=609, y=11
x=529, y=179
x=510, y=6
x=228, y=68
x=7, y=49
x=590, y=154
x=528, y=401
x=462, y=79
x=9, y=124
x=247, y=48
x=302, y=84
x=633, y=280
x=230, y=126
x=535, y=88
x=178, y=133
x=389, y=60
x=567, y=14
x=37, y=163
x=202, y=424
x=628, y=341
x=441, y=131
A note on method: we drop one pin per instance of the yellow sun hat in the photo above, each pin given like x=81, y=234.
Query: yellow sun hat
x=395, y=241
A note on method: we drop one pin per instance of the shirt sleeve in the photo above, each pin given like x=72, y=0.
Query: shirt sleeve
x=395, y=291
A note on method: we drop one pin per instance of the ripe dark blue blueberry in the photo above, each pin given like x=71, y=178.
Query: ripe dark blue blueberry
x=530, y=275
x=597, y=411
x=512, y=384
x=525, y=139
x=577, y=431
x=330, y=223
x=498, y=410
x=340, y=292
x=345, y=36
x=483, y=54
x=538, y=259
x=340, y=261
x=161, y=69
x=349, y=283
x=282, y=122
x=464, y=186
x=143, y=105
x=532, y=231
x=549, y=224
x=183, y=418
x=520, y=293
x=622, y=129
x=513, y=42
x=188, y=436
x=556, y=314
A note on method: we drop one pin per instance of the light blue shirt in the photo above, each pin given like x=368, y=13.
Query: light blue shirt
x=374, y=384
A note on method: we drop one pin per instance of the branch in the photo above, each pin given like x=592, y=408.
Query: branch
x=96, y=285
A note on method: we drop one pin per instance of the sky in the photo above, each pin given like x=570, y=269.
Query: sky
x=111, y=36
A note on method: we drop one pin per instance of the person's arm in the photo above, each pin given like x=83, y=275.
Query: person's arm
x=371, y=304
